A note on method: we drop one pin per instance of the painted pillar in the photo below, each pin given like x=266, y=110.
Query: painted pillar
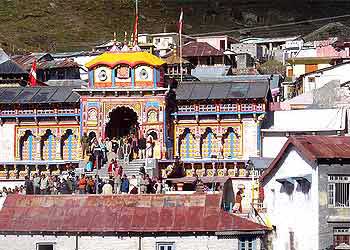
x=258, y=143
x=91, y=78
x=198, y=146
x=154, y=78
x=113, y=77
x=132, y=78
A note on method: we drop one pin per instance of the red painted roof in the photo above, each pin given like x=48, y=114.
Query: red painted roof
x=194, y=49
x=313, y=148
x=119, y=214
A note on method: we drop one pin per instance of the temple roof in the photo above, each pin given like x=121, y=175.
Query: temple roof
x=57, y=94
x=121, y=214
x=130, y=58
x=221, y=90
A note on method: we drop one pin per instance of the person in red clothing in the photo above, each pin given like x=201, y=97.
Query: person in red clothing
x=82, y=184
x=111, y=167
x=238, y=202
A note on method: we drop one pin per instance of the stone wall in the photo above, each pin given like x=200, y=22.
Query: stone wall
x=115, y=243
x=325, y=212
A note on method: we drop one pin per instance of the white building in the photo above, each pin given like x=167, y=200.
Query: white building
x=148, y=222
x=318, y=78
x=282, y=124
x=307, y=193
x=163, y=42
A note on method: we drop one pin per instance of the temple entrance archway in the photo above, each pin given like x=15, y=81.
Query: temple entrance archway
x=122, y=122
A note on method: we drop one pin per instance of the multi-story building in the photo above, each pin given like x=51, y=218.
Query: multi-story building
x=307, y=193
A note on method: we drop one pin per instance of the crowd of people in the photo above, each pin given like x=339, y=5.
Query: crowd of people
x=67, y=183
x=125, y=148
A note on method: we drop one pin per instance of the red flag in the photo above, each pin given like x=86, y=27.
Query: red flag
x=181, y=21
x=136, y=33
x=32, y=75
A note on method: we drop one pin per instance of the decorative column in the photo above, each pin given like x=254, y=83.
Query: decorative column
x=198, y=143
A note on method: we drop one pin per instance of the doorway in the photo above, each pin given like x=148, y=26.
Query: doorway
x=123, y=121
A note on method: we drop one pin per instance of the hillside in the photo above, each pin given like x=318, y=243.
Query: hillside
x=61, y=25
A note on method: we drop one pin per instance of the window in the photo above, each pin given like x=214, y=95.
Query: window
x=339, y=190
x=157, y=40
x=246, y=107
x=312, y=79
x=246, y=244
x=45, y=246
x=229, y=107
x=166, y=246
x=310, y=68
x=341, y=235
x=207, y=108
x=222, y=45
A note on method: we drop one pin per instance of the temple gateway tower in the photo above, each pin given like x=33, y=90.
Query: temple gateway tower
x=127, y=94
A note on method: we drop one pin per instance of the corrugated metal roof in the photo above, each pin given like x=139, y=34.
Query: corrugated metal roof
x=119, y=214
x=217, y=90
x=10, y=67
x=42, y=94
x=313, y=148
x=197, y=49
x=44, y=63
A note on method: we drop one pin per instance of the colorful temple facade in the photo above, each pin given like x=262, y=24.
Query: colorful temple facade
x=211, y=128
x=39, y=129
x=127, y=90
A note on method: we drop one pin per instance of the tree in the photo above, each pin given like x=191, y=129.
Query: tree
x=272, y=67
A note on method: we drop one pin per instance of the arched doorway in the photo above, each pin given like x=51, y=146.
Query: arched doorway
x=27, y=146
x=47, y=146
x=123, y=121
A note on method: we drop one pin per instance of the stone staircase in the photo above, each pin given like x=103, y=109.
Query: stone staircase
x=133, y=167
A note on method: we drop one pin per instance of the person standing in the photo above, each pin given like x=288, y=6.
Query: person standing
x=44, y=184
x=117, y=178
x=133, y=185
x=238, y=202
x=28, y=185
x=142, y=147
x=149, y=147
x=135, y=147
x=84, y=141
x=127, y=151
x=125, y=185
x=36, y=183
x=82, y=184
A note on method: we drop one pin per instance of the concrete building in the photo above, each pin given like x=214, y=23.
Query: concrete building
x=161, y=222
x=279, y=125
x=164, y=42
x=254, y=50
x=317, y=79
x=272, y=48
x=307, y=193
x=221, y=43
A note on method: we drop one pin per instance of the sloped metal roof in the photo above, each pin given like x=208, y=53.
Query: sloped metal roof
x=217, y=90
x=313, y=148
x=43, y=94
x=10, y=67
x=119, y=214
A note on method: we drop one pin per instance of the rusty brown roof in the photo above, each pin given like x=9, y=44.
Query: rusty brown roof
x=26, y=62
x=313, y=148
x=120, y=214
x=198, y=49
x=174, y=59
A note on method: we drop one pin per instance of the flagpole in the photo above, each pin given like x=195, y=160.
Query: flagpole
x=137, y=7
x=180, y=41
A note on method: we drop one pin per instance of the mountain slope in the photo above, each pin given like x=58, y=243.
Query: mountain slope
x=60, y=25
